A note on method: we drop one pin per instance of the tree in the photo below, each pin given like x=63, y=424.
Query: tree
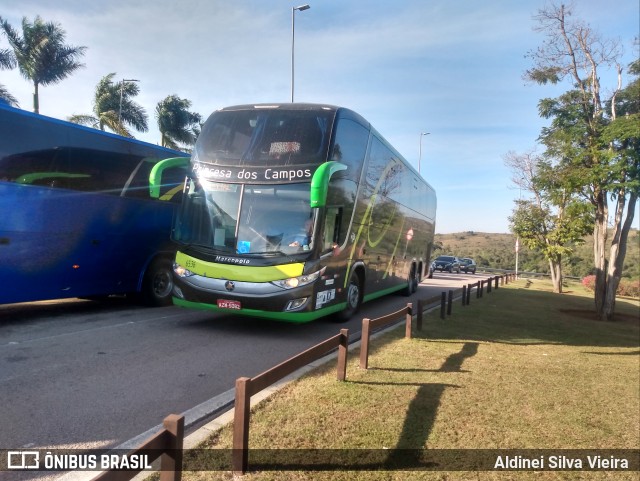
x=7, y=61
x=597, y=150
x=113, y=107
x=555, y=219
x=41, y=54
x=176, y=124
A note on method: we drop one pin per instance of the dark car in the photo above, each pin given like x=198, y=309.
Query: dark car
x=468, y=265
x=447, y=263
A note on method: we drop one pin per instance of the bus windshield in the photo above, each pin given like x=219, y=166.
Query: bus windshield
x=240, y=219
x=253, y=137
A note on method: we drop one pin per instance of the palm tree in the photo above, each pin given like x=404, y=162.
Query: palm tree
x=8, y=61
x=176, y=124
x=113, y=107
x=41, y=54
x=5, y=96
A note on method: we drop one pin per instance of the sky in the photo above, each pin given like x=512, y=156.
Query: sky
x=453, y=69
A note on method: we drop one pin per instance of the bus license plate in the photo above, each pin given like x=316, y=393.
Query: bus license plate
x=226, y=304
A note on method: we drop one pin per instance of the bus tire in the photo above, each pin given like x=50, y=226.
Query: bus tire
x=158, y=283
x=354, y=298
x=412, y=282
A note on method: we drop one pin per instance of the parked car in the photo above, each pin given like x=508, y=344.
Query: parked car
x=447, y=263
x=468, y=265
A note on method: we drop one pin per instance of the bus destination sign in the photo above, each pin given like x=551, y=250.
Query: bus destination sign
x=259, y=175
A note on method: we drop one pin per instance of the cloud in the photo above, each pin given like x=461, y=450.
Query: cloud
x=450, y=68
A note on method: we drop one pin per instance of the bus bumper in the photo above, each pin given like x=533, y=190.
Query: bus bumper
x=263, y=299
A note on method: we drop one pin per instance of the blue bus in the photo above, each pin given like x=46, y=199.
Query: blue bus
x=77, y=214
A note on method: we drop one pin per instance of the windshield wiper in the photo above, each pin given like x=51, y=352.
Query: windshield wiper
x=205, y=249
x=271, y=253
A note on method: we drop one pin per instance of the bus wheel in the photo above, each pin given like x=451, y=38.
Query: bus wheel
x=354, y=298
x=412, y=282
x=158, y=283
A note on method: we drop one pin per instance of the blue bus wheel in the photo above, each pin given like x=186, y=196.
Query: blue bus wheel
x=158, y=283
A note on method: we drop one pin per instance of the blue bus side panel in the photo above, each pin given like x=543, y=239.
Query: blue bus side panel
x=57, y=243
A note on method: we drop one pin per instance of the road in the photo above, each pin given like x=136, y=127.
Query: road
x=87, y=374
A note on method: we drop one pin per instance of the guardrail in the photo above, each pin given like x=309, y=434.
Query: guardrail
x=490, y=270
x=369, y=324
x=168, y=443
x=247, y=387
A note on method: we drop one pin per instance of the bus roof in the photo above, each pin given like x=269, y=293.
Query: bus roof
x=343, y=111
x=43, y=118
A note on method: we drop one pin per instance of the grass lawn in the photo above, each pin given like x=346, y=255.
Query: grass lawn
x=520, y=368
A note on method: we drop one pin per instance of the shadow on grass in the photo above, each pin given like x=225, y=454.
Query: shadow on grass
x=628, y=353
x=423, y=409
x=453, y=363
x=391, y=369
x=529, y=317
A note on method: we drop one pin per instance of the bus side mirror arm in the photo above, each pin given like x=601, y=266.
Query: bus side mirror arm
x=155, y=176
x=320, y=182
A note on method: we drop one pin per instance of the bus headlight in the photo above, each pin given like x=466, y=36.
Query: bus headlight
x=299, y=281
x=181, y=271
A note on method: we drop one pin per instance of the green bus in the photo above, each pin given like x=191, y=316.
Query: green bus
x=298, y=211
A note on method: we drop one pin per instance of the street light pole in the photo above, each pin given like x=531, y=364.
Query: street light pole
x=121, y=88
x=422, y=134
x=300, y=8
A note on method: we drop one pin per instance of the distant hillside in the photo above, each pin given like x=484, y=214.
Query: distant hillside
x=498, y=251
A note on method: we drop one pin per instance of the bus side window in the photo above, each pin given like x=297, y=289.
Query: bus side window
x=332, y=237
x=350, y=147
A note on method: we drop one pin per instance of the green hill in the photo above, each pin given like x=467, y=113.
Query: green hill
x=498, y=251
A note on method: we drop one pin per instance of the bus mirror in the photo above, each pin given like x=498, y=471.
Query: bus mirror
x=320, y=182
x=155, y=177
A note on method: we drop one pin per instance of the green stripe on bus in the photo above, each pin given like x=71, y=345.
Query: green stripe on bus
x=293, y=317
x=384, y=292
x=234, y=272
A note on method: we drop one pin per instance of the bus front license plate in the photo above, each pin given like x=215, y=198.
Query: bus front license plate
x=225, y=304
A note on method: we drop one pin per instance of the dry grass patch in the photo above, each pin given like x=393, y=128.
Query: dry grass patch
x=516, y=369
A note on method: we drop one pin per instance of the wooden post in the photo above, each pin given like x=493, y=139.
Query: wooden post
x=443, y=304
x=468, y=294
x=171, y=463
x=342, y=354
x=449, y=302
x=497, y=278
x=464, y=295
x=478, y=289
x=241, y=414
x=407, y=321
x=489, y=282
x=364, y=344
x=419, y=316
